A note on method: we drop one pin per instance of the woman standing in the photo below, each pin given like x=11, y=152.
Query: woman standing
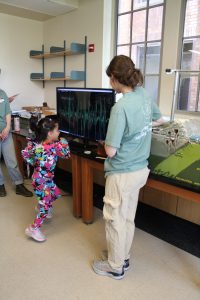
x=127, y=146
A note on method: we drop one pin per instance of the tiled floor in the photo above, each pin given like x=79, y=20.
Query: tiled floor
x=60, y=268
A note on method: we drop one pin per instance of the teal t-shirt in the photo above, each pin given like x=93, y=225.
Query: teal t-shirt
x=4, y=109
x=129, y=130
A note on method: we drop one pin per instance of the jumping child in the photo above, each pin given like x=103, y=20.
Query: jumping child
x=42, y=153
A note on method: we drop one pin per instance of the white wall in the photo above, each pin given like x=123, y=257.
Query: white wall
x=18, y=36
x=108, y=46
x=72, y=27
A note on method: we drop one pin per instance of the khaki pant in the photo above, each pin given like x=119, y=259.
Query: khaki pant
x=120, y=203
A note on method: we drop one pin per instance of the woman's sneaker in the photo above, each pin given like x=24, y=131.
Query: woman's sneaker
x=126, y=264
x=2, y=190
x=35, y=233
x=104, y=256
x=102, y=267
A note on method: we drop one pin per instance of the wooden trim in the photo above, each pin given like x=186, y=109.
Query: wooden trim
x=76, y=185
x=173, y=190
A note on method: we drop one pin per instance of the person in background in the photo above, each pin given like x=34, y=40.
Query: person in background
x=42, y=153
x=127, y=146
x=7, y=149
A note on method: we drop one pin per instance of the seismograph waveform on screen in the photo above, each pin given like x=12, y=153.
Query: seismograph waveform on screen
x=85, y=115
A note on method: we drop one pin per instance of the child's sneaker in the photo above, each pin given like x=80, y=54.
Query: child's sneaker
x=50, y=212
x=102, y=267
x=104, y=256
x=35, y=233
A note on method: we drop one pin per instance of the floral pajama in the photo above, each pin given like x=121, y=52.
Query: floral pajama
x=44, y=157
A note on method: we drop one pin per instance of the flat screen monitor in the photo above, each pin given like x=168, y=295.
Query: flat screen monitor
x=84, y=112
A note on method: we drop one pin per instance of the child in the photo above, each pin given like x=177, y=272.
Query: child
x=42, y=153
x=127, y=146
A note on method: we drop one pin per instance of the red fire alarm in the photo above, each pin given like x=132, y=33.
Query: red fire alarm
x=91, y=47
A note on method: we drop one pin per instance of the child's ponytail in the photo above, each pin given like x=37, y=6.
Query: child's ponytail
x=33, y=123
x=42, y=127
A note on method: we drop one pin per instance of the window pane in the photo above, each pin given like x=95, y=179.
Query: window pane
x=155, y=23
x=139, y=4
x=138, y=30
x=188, y=93
x=192, y=18
x=191, y=54
x=153, y=58
x=151, y=85
x=137, y=55
x=124, y=29
x=124, y=6
x=154, y=2
x=123, y=50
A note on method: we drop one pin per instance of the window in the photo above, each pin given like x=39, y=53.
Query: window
x=139, y=35
x=189, y=89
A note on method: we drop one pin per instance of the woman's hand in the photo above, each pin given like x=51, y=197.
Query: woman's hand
x=158, y=122
x=11, y=98
x=110, y=151
x=4, y=134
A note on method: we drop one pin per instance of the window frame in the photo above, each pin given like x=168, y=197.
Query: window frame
x=146, y=42
x=179, y=62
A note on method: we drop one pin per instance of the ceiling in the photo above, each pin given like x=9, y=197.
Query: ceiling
x=40, y=10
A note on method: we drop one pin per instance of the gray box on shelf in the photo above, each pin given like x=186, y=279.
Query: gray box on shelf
x=35, y=52
x=57, y=75
x=37, y=76
x=55, y=49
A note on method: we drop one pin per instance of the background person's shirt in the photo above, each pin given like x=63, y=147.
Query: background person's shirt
x=129, y=130
x=4, y=109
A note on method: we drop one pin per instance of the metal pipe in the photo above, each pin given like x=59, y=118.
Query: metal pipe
x=176, y=86
x=171, y=71
x=175, y=94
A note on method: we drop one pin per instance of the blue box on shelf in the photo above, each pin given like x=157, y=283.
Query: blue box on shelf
x=77, y=75
x=76, y=47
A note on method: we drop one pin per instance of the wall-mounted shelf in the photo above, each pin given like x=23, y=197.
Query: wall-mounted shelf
x=56, y=79
x=56, y=54
x=75, y=75
x=57, y=76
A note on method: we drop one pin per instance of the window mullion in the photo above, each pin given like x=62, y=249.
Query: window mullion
x=145, y=42
x=197, y=95
x=186, y=62
x=131, y=25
